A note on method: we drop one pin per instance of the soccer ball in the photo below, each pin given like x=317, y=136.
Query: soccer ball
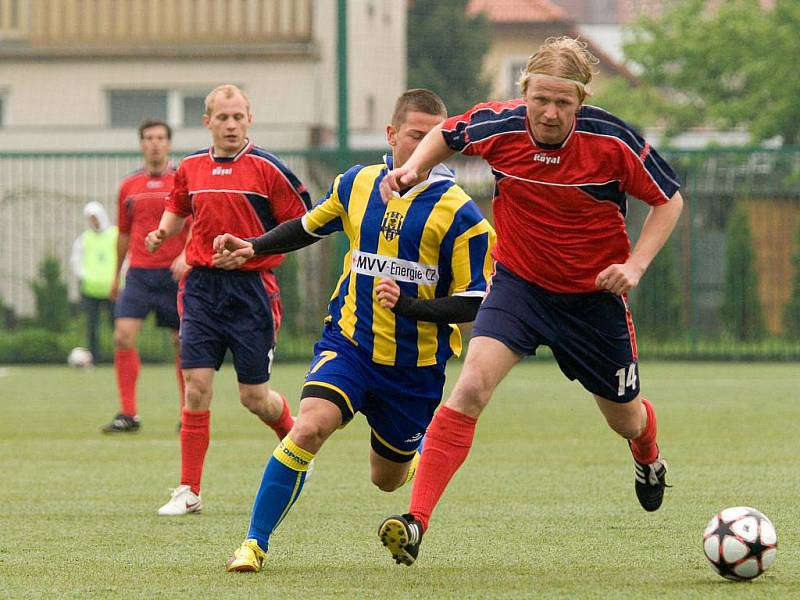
x=79, y=358
x=740, y=543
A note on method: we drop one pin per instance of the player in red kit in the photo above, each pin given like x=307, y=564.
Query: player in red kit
x=151, y=280
x=564, y=264
x=233, y=186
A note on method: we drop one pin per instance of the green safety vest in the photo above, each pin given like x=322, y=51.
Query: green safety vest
x=99, y=262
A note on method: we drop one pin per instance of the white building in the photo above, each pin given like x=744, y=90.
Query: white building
x=81, y=74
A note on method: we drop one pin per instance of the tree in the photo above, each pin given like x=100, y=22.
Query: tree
x=741, y=307
x=729, y=63
x=50, y=292
x=446, y=48
x=657, y=300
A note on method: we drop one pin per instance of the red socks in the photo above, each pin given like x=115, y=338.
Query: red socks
x=195, y=425
x=126, y=364
x=644, y=447
x=447, y=444
x=284, y=424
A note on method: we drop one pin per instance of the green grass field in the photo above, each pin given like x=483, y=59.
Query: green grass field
x=544, y=506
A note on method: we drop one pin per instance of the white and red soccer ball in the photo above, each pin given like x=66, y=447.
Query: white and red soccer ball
x=740, y=543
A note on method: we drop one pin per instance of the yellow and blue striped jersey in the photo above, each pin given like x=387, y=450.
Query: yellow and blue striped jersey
x=433, y=241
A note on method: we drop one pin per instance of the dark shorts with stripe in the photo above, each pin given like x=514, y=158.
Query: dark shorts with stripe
x=149, y=290
x=398, y=402
x=591, y=335
x=227, y=310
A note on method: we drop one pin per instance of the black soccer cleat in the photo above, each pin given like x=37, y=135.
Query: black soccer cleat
x=122, y=424
x=650, y=483
x=402, y=535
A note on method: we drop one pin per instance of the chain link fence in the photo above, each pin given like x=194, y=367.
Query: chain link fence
x=727, y=285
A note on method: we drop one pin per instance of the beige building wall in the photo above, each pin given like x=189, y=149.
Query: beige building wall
x=57, y=106
x=55, y=100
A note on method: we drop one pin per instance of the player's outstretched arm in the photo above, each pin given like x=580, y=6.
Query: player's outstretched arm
x=430, y=152
x=230, y=252
x=621, y=278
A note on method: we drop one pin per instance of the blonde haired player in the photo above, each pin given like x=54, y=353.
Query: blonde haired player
x=564, y=265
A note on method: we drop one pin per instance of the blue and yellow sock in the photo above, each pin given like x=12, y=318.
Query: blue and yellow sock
x=280, y=486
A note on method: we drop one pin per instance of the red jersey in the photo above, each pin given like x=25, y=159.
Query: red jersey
x=141, y=200
x=560, y=209
x=246, y=195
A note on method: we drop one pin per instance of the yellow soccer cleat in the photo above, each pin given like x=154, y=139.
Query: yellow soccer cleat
x=247, y=557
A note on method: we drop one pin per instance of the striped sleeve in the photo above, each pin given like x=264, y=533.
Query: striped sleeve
x=326, y=216
x=645, y=174
x=649, y=177
x=483, y=123
x=471, y=261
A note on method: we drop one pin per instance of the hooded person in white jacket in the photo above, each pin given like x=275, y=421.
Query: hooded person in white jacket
x=94, y=262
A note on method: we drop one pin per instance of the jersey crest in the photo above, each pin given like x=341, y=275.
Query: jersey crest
x=392, y=224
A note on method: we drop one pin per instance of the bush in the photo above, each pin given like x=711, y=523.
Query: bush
x=34, y=345
x=741, y=307
x=657, y=301
x=50, y=291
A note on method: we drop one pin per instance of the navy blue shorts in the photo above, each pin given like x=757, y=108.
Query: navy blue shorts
x=227, y=310
x=591, y=335
x=398, y=402
x=149, y=290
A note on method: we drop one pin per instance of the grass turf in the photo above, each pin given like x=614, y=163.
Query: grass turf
x=543, y=507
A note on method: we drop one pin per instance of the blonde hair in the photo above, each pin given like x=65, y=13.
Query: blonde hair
x=562, y=57
x=229, y=91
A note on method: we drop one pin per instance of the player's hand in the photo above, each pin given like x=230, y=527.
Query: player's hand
x=236, y=246
x=227, y=260
x=231, y=252
x=396, y=180
x=178, y=267
x=387, y=292
x=154, y=239
x=619, y=278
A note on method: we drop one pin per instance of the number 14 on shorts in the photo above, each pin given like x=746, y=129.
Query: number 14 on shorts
x=626, y=376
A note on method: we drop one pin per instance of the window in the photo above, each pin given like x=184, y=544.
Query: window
x=194, y=107
x=514, y=69
x=179, y=108
x=128, y=108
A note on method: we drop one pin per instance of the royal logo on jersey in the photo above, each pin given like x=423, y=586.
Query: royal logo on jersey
x=392, y=224
x=547, y=159
x=155, y=183
x=222, y=170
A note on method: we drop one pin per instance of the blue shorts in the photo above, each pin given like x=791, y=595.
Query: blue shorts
x=227, y=310
x=149, y=290
x=591, y=334
x=398, y=402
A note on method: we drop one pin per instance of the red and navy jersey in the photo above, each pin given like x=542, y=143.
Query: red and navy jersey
x=560, y=209
x=141, y=200
x=246, y=195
